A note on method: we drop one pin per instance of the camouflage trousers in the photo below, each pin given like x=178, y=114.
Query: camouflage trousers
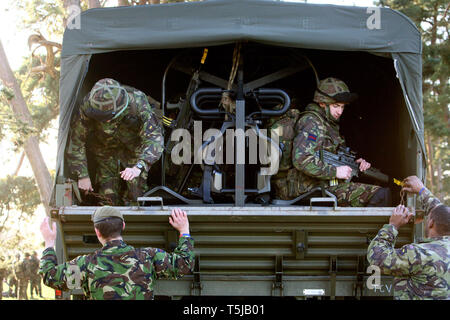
x=23, y=284
x=348, y=194
x=353, y=194
x=13, y=283
x=35, y=284
x=113, y=190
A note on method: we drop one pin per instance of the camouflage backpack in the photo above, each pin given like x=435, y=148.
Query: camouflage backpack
x=284, y=126
x=285, y=182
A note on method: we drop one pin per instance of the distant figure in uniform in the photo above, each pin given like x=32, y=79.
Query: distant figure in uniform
x=3, y=273
x=22, y=271
x=35, y=278
x=421, y=270
x=117, y=271
x=12, y=279
x=318, y=129
x=124, y=137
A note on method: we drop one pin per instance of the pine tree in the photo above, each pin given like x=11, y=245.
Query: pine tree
x=431, y=17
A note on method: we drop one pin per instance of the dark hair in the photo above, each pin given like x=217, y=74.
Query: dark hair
x=441, y=218
x=110, y=227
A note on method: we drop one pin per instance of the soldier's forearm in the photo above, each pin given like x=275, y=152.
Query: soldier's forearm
x=53, y=275
x=382, y=245
x=428, y=200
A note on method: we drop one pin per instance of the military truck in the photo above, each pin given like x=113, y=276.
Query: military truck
x=267, y=56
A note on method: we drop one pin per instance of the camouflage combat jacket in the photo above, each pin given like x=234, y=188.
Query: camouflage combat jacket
x=118, y=271
x=421, y=270
x=134, y=137
x=314, y=132
x=3, y=268
x=34, y=268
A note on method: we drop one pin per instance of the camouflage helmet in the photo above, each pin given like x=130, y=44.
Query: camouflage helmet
x=332, y=90
x=107, y=100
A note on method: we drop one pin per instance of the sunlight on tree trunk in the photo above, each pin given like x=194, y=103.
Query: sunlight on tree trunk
x=20, y=109
x=94, y=4
x=430, y=169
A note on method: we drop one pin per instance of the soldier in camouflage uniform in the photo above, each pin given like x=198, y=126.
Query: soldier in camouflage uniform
x=3, y=273
x=125, y=139
x=13, y=282
x=23, y=277
x=35, y=278
x=117, y=271
x=318, y=129
x=420, y=270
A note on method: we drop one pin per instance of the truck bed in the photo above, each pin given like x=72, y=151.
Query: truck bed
x=252, y=250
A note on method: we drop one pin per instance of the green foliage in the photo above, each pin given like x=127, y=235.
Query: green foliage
x=40, y=91
x=47, y=16
x=432, y=18
x=18, y=193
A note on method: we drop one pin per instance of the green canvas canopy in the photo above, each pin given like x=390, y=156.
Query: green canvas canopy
x=380, y=31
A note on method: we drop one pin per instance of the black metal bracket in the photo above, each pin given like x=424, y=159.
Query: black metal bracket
x=333, y=271
x=173, y=194
x=358, y=288
x=278, y=283
x=252, y=85
x=171, y=240
x=300, y=243
x=196, y=285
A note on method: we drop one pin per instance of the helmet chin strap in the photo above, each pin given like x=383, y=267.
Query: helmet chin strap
x=123, y=109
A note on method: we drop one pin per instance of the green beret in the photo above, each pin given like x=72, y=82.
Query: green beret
x=105, y=212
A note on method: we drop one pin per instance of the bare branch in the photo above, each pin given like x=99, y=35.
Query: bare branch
x=22, y=157
x=49, y=65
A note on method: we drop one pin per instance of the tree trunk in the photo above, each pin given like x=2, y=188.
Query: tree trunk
x=94, y=4
x=123, y=3
x=430, y=152
x=20, y=109
x=439, y=184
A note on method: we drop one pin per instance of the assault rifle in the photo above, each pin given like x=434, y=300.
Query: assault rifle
x=345, y=157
